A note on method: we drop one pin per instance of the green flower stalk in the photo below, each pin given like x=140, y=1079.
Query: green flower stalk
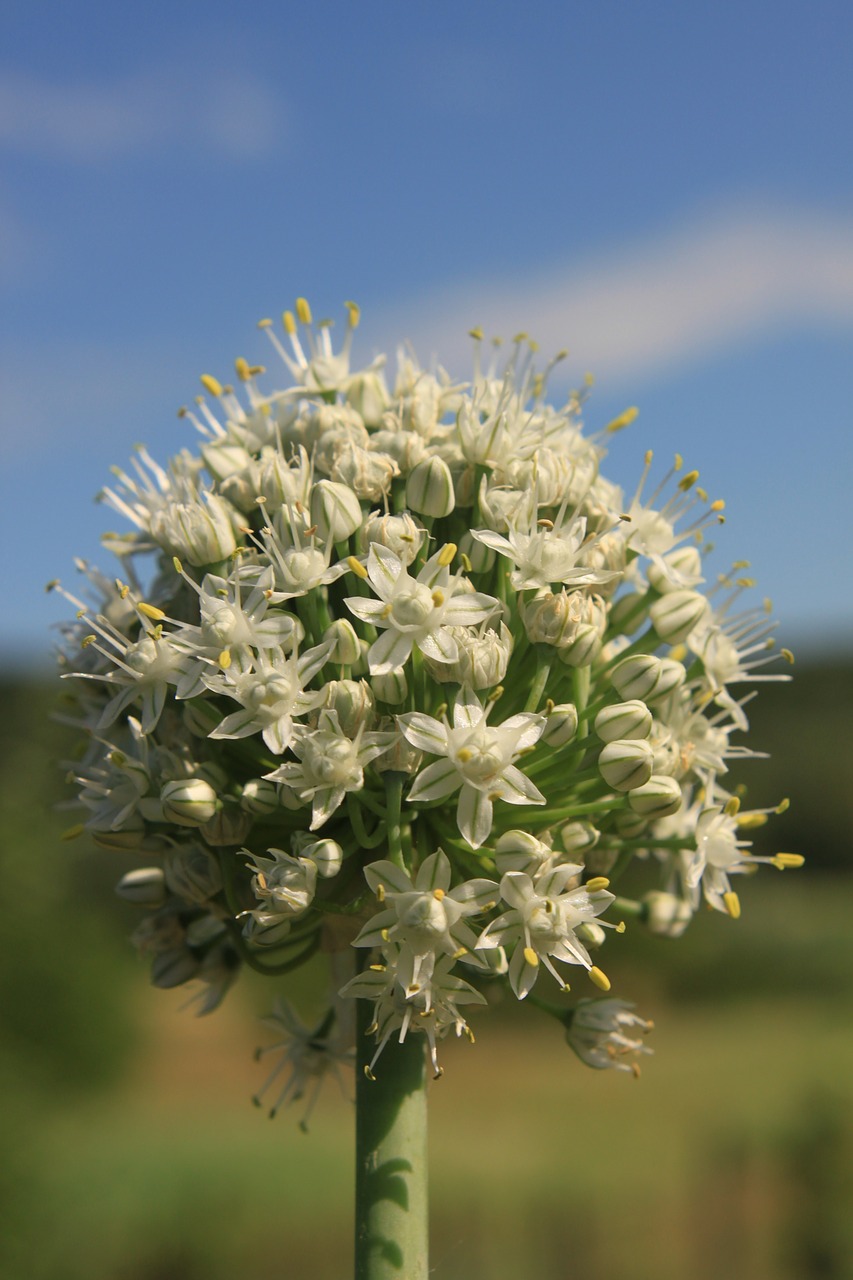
x=392, y=672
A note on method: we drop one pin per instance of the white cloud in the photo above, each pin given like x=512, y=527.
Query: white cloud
x=83, y=121
x=653, y=305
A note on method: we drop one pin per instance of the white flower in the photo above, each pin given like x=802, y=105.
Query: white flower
x=330, y=764
x=542, y=923
x=478, y=757
x=544, y=553
x=272, y=694
x=603, y=1033
x=416, y=611
x=306, y=1053
x=424, y=917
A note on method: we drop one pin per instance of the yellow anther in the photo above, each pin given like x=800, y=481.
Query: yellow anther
x=783, y=860
x=718, y=504
x=745, y=582
x=156, y=633
x=243, y=371
x=520, y=337
x=378, y=968
x=183, y=411
x=446, y=554
x=438, y=598
x=303, y=311
x=647, y=457
x=380, y=893
x=386, y=611
x=600, y=979
x=179, y=568
x=679, y=462
x=476, y=333
x=123, y=590
x=545, y=523
x=678, y=652
x=288, y=320
x=357, y=567
x=787, y=655
x=438, y=894
x=71, y=833
x=463, y=755
x=211, y=384
x=688, y=481
x=460, y=952
x=596, y=883
x=497, y=692
x=750, y=821
x=732, y=806
x=589, y=379
x=701, y=494
x=150, y=611
x=384, y=934
x=466, y=563
x=783, y=806
x=531, y=957
x=87, y=640
x=732, y=902
x=622, y=420
x=369, y=1074
x=225, y=659
x=353, y=314
x=621, y=926
x=266, y=323
x=635, y=1070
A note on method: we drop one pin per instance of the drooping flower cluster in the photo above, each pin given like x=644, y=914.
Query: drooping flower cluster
x=389, y=668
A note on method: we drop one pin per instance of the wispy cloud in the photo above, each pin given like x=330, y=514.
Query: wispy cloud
x=232, y=113
x=653, y=305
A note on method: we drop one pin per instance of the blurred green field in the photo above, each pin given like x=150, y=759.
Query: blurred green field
x=133, y=1153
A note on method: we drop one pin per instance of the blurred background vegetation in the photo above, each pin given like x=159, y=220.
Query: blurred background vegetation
x=133, y=1152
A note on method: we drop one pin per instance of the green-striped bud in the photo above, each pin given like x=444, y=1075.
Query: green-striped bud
x=192, y=874
x=260, y=798
x=561, y=725
x=624, y=720
x=626, y=764
x=145, y=887
x=678, y=613
x=666, y=914
x=347, y=650
x=657, y=798
x=391, y=687
x=335, y=510
x=188, y=802
x=636, y=676
x=429, y=488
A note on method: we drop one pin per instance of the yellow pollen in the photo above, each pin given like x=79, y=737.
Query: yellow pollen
x=288, y=320
x=621, y=927
x=596, y=883
x=73, y=832
x=225, y=659
x=463, y=755
x=466, y=563
x=123, y=590
x=495, y=795
x=787, y=655
x=265, y=324
x=783, y=860
x=87, y=640
x=635, y=1070
x=353, y=314
x=688, y=481
x=497, y=692
x=647, y=458
x=701, y=493
x=679, y=462
x=600, y=979
x=387, y=611
x=303, y=311
x=718, y=505
x=745, y=582
x=520, y=337
x=438, y=598
x=378, y=968
x=211, y=384
x=545, y=523
x=150, y=611
x=589, y=379
x=783, y=806
x=732, y=902
x=749, y=821
x=241, y=366
x=384, y=934
x=369, y=1074
x=531, y=957
x=623, y=420
x=476, y=333
x=380, y=893
x=678, y=652
x=357, y=567
x=183, y=411
x=462, y=951
x=732, y=806
x=438, y=894
x=448, y=551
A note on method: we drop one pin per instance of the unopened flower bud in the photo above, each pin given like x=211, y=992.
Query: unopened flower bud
x=335, y=510
x=583, y=648
x=561, y=725
x=678, y=613
x=625, y=765
x=636, y=676
x=145, y=887
x=399, y=533
x=520, y=851
x=188, y=802
x=347, y=650
x=391, y=687
x=672, y=675
x=353, y=703
x=327, y=855
x=656, y=798
x=666, y=914
x=131, y=839
x=260, y=798
x=429, y=488
x=482, y=658
x=230, y=826
x=368, y=395
x=192, y=874
x=591, y=933
x=266, y=928
x=579, y=837
x=200, y=532
x=173, y=968
x=624, y=720
x=626, y=613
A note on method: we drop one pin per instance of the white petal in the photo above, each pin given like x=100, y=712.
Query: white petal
x=424, y=732
x=434, y=872
x=389, y=652
x=474, y=816
x=436, y=781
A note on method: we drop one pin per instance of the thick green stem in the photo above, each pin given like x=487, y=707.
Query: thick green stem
x=391, y=1228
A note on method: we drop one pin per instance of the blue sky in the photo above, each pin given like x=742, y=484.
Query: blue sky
x=663, y=188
